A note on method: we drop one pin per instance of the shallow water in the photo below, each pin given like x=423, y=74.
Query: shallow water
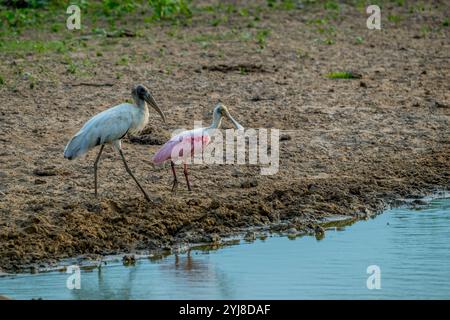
x=411, y=248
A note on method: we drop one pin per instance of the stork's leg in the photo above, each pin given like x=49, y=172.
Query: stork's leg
x=95, y=167
x=131, y=174
x=187, y=178
x=175, y=180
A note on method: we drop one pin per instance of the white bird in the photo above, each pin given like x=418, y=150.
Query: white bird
x=110, y=126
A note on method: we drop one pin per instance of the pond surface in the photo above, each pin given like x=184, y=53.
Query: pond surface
x=410, y=247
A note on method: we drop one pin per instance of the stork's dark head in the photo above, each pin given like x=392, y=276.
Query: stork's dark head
x=141, y=94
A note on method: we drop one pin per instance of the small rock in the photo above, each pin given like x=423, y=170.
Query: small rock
x=128, y=260
x=214, y=204
x=214, y=237
x=236, y=173
x=250, y=236
x=249, y=183
x=39, y=181
x=193, y=202
x=419, y=202
x=154, y=178
x=438, y=104
x=45, y=172
x=319, y=232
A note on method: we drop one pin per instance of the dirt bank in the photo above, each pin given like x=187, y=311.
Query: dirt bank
x=349, y=145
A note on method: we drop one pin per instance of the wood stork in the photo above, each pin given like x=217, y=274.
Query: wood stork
x=110, y=126
x=188, y=140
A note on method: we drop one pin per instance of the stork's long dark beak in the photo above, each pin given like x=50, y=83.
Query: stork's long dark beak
x=149, y=99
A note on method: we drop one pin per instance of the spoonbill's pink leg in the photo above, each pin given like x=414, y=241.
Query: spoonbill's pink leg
x=187, y=178
x=175, y=180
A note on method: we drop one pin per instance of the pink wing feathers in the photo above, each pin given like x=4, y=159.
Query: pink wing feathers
x=182, y=146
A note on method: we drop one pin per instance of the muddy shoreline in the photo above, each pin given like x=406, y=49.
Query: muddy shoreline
x=286, y=228
x=349, y=147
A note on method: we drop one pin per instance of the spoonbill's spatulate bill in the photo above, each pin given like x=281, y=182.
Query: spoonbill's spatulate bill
x=187, y=140
x=110, y=126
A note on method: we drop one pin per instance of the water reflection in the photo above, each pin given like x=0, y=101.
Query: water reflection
x=410, y=246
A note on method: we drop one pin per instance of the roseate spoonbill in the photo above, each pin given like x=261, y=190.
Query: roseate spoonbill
x=187, y=140
x=110, y=126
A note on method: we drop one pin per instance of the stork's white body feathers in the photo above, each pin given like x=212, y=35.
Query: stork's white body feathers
x=108, y=126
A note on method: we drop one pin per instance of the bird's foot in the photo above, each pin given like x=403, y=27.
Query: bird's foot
x=175, y=185
x=147, y=197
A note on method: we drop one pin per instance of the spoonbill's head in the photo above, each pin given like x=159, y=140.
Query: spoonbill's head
x=140, y=93
x=221, y=111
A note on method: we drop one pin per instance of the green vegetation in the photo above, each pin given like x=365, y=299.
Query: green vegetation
x=2, y=81
x=123, y=61
x=359, y=40
x=72, y=68
x=167, y=9
x=111, y=19
x=331, y=5
x=325, y=28
x=394, y=18
x=9, y=46
x=342, y=75
x=261, y=37
x=282, y=4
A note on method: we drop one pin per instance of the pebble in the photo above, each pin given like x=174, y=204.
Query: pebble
x=249, y=183
x=250, y=236
x=128, y=260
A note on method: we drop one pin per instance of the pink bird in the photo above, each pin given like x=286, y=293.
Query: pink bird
x=192, y=140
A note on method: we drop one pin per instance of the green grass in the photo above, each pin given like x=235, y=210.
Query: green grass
x=261, y=37
x=331, y=5
x=282, y=4
x=168, y=9
x=329, y=41
x=394, y=18
x=217, y=21
x=26, y=46
x=2, y=81
x=123, y=61
x=341, y=75
x=445, y=22
x=72, y=68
